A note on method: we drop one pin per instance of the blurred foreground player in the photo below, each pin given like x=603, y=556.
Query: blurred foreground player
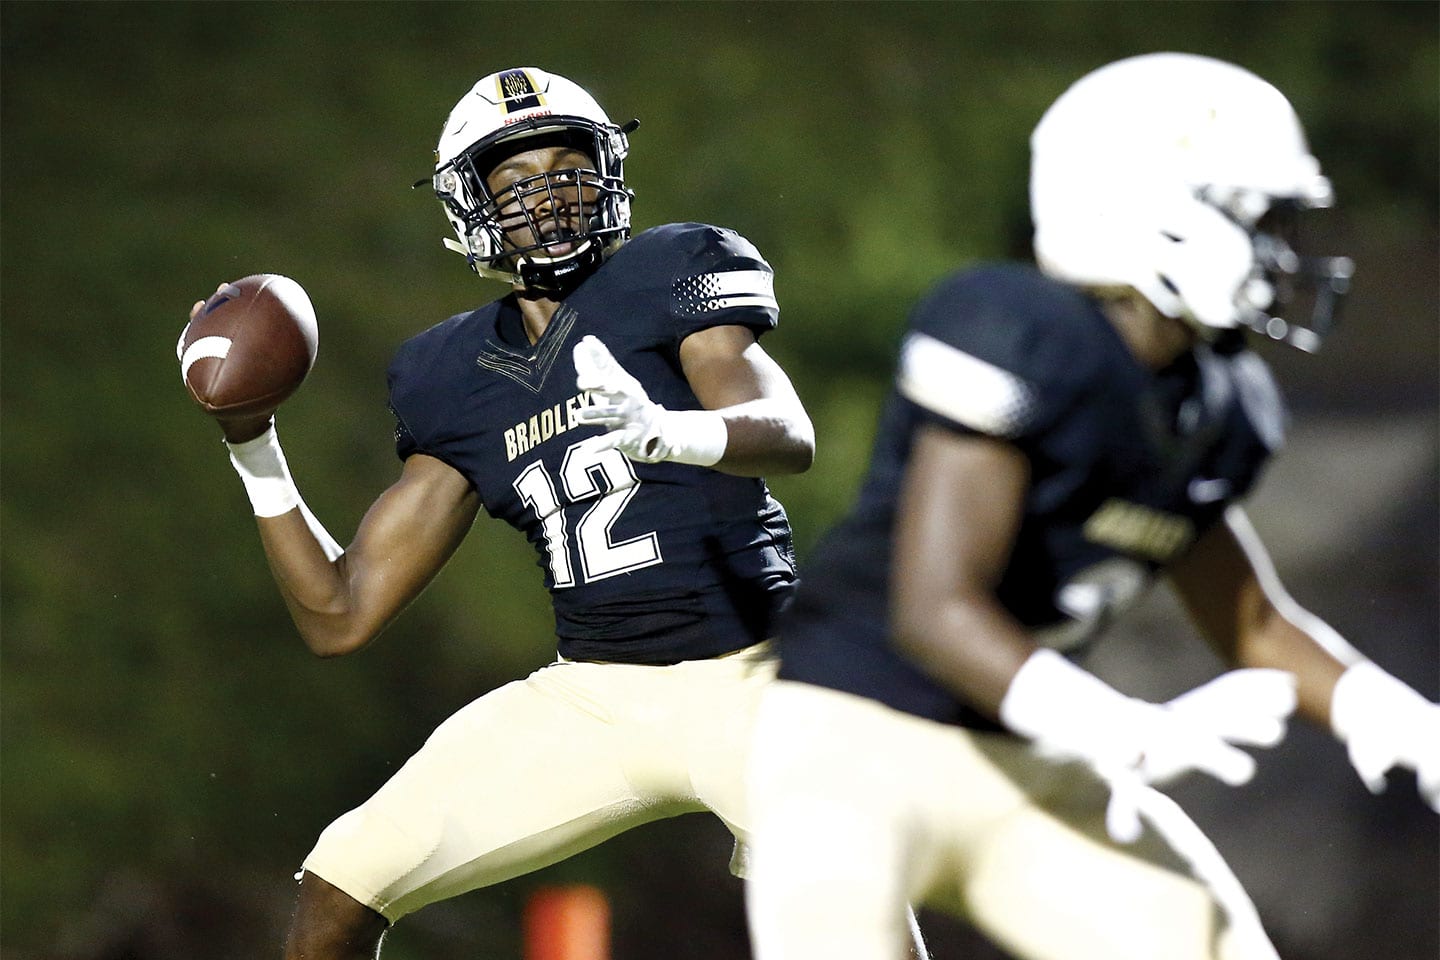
x=1055, y=440
x=635, y=474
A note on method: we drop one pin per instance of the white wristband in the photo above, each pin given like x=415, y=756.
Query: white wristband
x=262, y=468
x=697, y=437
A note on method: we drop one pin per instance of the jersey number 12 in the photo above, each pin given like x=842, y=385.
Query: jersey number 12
x=608, y=478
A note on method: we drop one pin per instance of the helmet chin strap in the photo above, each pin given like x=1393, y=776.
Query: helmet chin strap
x=557, y=276
x=540, y=276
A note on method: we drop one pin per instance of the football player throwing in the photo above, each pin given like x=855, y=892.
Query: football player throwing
x=616, y=408
x=1055, y=440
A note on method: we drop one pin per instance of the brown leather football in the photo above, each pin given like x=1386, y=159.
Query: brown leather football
x=249, y=347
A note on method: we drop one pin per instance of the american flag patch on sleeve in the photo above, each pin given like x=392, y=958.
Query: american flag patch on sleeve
x=709, y=292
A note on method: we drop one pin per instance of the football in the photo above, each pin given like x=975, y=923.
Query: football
x=249, y=346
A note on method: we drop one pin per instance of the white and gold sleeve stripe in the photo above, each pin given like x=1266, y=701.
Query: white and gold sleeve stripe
x=963, y=388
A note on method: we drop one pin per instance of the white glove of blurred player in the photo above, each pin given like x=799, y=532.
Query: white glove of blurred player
x=638, y=427
x=1074, y=715
x=1386, y=724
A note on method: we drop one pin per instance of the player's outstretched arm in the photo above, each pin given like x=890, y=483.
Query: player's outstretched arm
x=341, y=598
x=340, y=602
x=959, y=512
x=752, y=424
x=1231, y=590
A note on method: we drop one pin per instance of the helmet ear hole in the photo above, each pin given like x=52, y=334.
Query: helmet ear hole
x=1205, y=259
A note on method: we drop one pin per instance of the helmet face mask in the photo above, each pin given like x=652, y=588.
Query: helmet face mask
x=1167, y=173
x=1286, y=280
x=508, y=234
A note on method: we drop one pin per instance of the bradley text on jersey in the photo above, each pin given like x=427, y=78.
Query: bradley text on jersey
x=550, y=422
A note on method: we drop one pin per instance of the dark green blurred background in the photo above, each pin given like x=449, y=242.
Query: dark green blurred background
x=169, y=749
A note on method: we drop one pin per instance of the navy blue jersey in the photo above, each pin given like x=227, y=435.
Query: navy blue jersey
x=1128, y=467
x=645, y=563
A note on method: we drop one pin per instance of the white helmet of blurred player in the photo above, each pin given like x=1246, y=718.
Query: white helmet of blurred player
x=504, y=114
x=1179, y=175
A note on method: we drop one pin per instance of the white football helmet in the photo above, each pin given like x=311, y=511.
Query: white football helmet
x=504, y=114
x=1167, y=173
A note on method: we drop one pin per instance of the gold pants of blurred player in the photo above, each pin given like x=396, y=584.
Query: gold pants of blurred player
x=542, y=768
x=858, y=810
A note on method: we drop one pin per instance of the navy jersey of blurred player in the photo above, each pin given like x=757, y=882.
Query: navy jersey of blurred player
x=1056, y=438
x=645, y=562
x=1127, y=468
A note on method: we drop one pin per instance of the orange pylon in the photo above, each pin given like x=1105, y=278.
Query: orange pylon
x=567, y=923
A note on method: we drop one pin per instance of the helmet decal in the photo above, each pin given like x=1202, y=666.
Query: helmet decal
x=517, y=91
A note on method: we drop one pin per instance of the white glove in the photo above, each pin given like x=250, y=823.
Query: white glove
x=638, y=427
x=1386, y=724
x=1130, y=743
